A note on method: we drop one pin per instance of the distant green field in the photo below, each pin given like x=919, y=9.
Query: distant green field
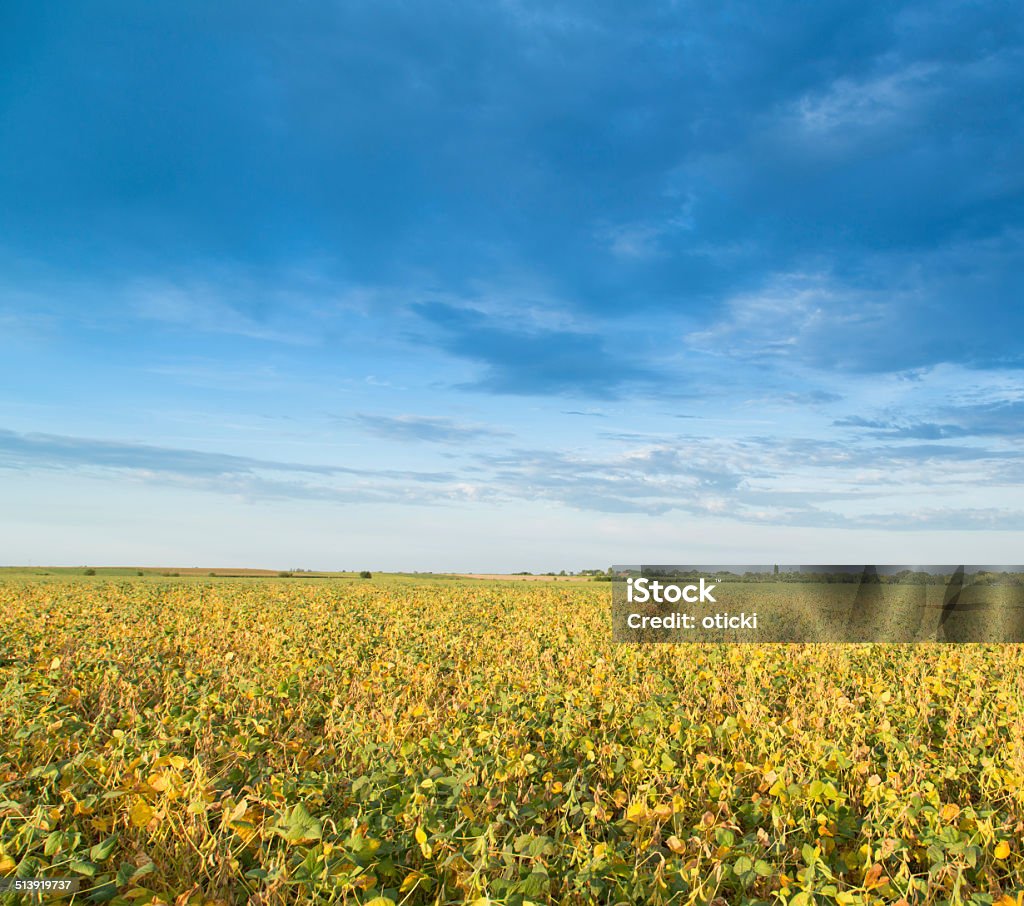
x=100, y=572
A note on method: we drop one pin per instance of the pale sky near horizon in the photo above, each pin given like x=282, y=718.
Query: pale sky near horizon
x=511, y=286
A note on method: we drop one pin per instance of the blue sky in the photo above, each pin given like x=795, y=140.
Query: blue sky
x=511, y=285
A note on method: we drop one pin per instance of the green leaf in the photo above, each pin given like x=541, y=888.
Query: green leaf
x=81, y=867
x=29, y=867
x=540, y=846
x=103, y=894
x=810, y=856
x=300, y=826
x=129, y=872
x=102, y=851
x=535, y=884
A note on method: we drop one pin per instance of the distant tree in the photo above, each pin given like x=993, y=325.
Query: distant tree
x=366, y=574
x=89, y=572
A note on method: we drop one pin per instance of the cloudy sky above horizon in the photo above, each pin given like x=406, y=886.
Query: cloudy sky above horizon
x=511, y=285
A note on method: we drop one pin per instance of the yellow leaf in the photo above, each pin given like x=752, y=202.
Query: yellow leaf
x=1002, y=850
x=676, y=845
x=141, y=814
x=636, y=812
x=663, y=812
x=55, y=663
x=410, y=881
x=421, y=835
x=950, y=812
x=380, y=901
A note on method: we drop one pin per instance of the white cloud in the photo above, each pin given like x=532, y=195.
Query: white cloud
x=857, y=106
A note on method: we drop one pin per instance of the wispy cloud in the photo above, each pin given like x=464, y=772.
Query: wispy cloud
x=1000, y=419
x=201, y=307
x=861, y=107
x=752, y=479
x=51, y=451
x=749, y=479
x=431, y=429
x=800, y=317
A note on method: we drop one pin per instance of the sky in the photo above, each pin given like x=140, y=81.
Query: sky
x=511, y=285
